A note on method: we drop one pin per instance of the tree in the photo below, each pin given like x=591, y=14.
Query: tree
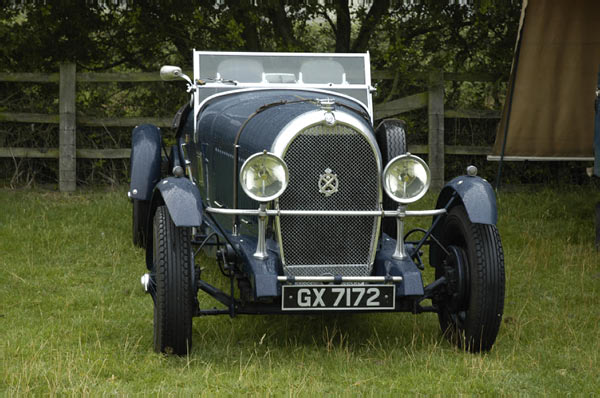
x=141, y=36
x=101, y=35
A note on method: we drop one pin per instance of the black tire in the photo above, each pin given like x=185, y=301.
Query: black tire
x=391, y=138
x=139, y=220
x=470, y=310
x=174, y=277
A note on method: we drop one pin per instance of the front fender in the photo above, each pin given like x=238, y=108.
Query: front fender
x=182, y=198
x=476, y=194
x=478, y=197
x=184, y=203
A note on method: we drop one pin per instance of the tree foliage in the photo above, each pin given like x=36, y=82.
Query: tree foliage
x=141, y=35
x=125, y=35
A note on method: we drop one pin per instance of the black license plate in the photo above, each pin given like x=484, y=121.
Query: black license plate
x=338, y=298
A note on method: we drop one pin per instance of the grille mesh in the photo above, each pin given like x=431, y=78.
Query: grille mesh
x=337, y=245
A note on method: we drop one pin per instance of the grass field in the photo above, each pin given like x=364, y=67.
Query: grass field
x=74, y=319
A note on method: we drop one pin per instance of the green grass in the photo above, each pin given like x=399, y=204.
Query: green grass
x=74, y=319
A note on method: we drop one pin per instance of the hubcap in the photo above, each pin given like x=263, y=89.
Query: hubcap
x=455, y=300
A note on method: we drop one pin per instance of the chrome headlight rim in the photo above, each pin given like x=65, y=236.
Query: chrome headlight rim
x=423, y=190
x=249, y=163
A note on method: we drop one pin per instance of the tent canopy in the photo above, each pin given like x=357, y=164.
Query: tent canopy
x=549, y=110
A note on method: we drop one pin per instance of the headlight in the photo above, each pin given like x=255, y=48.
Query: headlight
x=264, y=176
x=406, y=178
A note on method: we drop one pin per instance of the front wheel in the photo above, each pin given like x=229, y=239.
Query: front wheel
x=139, y=218
x=470, y=307
x=174, y=276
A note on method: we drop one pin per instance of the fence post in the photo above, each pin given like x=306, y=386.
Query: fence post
x=67, y=143
x=436, y=128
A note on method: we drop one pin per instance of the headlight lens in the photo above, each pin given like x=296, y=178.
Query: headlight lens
x=264, y=176
x=406, y=178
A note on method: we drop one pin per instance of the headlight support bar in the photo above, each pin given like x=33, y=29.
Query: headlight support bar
x=261, y=245
x=262, y=213
x=400, y=252
x=350, y=213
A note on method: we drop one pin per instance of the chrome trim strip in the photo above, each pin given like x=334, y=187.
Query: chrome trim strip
x=370, y=279
x=350, y=213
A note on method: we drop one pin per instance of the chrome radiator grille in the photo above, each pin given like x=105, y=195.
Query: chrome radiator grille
x=338, y=245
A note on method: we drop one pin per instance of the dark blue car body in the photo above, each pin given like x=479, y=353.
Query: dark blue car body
x=324, y=233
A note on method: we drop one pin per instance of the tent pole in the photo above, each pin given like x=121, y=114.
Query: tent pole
x=506, y=130
x=597, y=129
x=512, y=92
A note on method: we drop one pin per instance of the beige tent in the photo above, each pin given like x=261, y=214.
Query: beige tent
x=549, y=112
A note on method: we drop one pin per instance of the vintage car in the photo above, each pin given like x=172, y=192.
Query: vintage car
x=280, y=170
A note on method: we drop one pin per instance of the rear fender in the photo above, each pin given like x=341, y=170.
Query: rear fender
x=145, y=161
x=183, y=201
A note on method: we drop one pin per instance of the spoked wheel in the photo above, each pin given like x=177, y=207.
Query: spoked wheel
x=174, y=303
x=471, y=305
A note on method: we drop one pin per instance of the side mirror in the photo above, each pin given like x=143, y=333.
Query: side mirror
x=168, y=72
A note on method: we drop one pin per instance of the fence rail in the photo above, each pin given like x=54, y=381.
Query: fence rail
x=68, y=120
x=124, y=153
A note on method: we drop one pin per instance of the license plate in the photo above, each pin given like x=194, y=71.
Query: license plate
x=338, y=298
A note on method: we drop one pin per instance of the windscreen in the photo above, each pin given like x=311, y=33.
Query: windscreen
x=284, y=68
x=346, y=74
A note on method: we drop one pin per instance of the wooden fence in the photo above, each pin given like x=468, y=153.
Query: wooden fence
x=67, y=153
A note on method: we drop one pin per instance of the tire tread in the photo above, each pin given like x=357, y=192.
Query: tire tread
x=483, y=248
x=491, y=279
x=174, y=301
x=391, y=138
